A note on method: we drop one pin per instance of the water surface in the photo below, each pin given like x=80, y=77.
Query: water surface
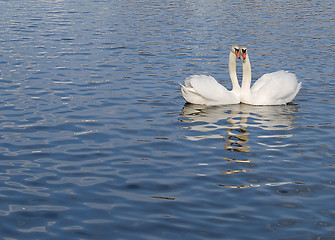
x=97, y=142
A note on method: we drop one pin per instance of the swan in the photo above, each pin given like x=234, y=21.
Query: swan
x=201, y=89
x=275, y=88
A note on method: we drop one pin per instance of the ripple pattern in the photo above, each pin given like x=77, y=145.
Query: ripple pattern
x=96, y=141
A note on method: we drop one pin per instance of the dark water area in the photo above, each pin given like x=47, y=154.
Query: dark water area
x=96, y=141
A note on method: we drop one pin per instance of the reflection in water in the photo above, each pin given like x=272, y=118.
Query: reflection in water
x=234, y=124
x=235, y=119
x=208, y=120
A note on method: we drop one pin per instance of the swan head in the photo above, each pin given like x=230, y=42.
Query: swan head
x=244, y=53
x=236, y=50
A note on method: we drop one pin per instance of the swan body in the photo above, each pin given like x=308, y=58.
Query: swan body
x=202, y=89
x=275, y=88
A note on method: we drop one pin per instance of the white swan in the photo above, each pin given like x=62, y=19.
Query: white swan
x=201, y=89
x=275, y=88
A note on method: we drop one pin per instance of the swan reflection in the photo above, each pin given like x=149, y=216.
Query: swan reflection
x=238, y=121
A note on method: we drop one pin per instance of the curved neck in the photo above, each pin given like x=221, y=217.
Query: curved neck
x=246, y=79
x=232, y=71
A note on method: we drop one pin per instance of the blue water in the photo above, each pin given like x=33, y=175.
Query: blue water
x=96, y=141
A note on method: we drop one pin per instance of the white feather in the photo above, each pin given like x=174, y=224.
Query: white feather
x=201, y=89
x=275, y=88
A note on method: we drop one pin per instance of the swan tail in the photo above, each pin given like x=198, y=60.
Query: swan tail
x=190, y=95
x=290, y=99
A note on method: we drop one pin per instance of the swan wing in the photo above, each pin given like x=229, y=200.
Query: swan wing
x=279, y=87
x=208, y=87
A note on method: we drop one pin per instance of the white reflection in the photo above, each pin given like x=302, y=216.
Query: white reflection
x=232, y=123
x=271, y=117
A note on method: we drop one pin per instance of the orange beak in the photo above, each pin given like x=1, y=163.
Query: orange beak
x=244, y=55
x=237, y=52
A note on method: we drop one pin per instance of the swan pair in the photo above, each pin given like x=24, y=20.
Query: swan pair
x=275, y=88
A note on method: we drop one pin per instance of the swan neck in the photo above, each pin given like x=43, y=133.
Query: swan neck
x=246, y=79
x=232, y=71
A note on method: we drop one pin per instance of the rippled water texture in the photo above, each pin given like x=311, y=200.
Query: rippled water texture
x=97, y=142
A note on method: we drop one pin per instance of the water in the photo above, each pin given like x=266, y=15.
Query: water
x=97, y=142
